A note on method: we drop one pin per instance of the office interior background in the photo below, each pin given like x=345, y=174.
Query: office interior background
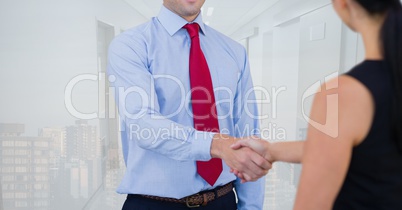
x=50, y=158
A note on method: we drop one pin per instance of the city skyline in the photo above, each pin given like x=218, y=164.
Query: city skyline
x=65, y=165
x=64, y=162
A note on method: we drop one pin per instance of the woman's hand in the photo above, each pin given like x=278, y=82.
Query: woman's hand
x=289, y=151
x=257, y=145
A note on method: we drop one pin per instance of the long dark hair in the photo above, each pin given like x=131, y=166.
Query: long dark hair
x=391, y=37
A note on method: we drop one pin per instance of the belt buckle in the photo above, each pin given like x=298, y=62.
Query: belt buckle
x=192, y=206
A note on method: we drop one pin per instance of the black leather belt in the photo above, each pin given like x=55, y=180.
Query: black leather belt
x=196, y=200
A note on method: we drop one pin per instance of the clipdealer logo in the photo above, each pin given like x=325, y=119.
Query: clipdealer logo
x=330, y=127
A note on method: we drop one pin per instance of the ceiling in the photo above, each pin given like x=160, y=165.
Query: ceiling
x=227, y=15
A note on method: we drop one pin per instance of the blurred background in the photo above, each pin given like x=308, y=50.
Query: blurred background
x=53, y=159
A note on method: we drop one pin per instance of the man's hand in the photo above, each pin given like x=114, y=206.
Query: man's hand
x=290, y=151
x=244, y=160
x=258, y=145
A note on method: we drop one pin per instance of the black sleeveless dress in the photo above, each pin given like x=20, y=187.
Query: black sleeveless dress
x=374, y=178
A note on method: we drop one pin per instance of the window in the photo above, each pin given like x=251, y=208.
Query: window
x=21, y=144
x=21, y=187
x=41, y=195
x=8, y=161
x=41, y=144
x=41, y=178
x=40, y=169
x=21, y=178
x=21, y=195
x=8, y=178
x=8, y=195
x=21, y=204
x=41, y=203
x=21, y=161
x=7, y=187
x=41, y=161
x=8, y=143
x=21, y=169
x=8, y=169
x=23, y=152
x=8, y=152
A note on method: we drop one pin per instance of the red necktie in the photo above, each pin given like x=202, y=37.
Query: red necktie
x=203, y=102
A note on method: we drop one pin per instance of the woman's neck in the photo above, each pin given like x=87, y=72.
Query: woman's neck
x=370, y=30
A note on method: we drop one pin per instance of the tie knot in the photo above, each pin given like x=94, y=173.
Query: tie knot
x=192, y=29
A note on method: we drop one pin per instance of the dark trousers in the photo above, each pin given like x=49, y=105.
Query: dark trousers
x=226, y=202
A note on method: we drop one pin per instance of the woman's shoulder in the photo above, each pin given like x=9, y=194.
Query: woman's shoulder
x=354, y=106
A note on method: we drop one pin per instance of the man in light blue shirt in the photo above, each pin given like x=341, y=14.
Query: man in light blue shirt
x=149, y=67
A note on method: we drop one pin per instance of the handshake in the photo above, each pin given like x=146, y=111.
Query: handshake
x=249, y=158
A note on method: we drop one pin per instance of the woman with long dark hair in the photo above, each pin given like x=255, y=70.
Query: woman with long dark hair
x=355, y=160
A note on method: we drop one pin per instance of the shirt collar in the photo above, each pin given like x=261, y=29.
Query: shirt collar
x=173, y=22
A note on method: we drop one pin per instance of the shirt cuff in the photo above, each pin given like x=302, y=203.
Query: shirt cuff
x=201, y=145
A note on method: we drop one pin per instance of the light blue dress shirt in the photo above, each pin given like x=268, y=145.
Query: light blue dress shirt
x=149, y=69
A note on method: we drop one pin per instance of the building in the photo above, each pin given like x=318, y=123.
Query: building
x=76, y=172
x=24, y=169
x=82, y=141
x=58, y=144
x=280, y=188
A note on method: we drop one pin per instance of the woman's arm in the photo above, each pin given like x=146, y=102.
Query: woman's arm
x=290, y=152
x=340, y=119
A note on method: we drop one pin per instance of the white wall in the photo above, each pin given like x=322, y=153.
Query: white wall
x=289, y=23
x=284, y=76
x=320, y=55
x=44, y=44
x=306, y=42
